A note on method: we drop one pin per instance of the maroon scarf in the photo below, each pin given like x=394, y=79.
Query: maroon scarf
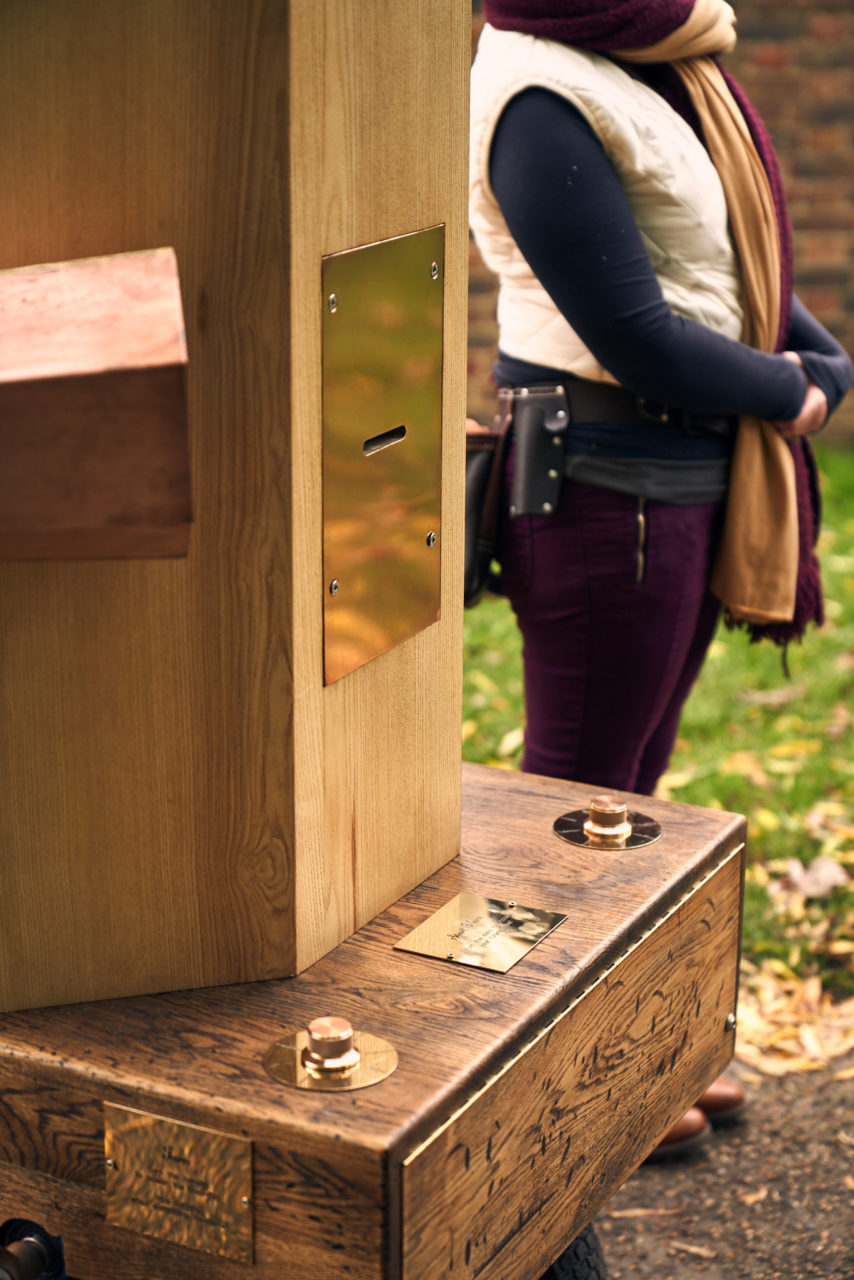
x=635, y=24
x=591, y=24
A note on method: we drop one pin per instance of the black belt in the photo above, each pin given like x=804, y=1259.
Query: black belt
x=604, y=402
x=542, y=414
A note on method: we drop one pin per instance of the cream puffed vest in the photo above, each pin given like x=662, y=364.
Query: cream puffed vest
x=665, y=172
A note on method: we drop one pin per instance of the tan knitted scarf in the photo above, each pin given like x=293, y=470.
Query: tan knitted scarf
x=755, y=574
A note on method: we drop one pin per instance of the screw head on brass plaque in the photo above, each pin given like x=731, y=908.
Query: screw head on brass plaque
x=608, y=824
x=330, y=1057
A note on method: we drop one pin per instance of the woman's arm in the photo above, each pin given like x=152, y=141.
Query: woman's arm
x=824, y=360
x=566, y=209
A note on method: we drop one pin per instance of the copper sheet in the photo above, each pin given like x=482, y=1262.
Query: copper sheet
x=382, y=436
x=486, y=933
x=179, y=1182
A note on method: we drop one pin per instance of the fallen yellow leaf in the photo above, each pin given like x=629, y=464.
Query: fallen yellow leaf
x=810, y=1041
x=754, y=1197
x=511, y=742
x=482, y=681
x=745, y=764
x=643, y=1213
x=780, y=968
x=758, y=875
x=697, y=1250
x=766, y=820
x=795, y=747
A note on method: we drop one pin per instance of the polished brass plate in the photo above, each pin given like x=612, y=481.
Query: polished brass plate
x=570, y=827
x=284, y=1062
x=179, y=1182
x=486, y=933
x=382, y=438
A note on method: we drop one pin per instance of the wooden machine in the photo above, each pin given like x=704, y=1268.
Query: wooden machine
x=267, y=1007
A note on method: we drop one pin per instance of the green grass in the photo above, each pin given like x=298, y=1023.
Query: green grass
x=751, y=741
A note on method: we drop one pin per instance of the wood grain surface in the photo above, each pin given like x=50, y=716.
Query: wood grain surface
x=94, y=455
x=196, y=1056
x=381, y=91
x=565, y=1124
x=185, y=803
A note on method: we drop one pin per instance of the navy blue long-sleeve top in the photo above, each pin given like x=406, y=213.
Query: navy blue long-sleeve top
x=565, y=207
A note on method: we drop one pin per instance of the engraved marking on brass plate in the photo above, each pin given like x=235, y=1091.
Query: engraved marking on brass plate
x=483, y=932
x=382, y=443
x=570, y=827
x=179, y=1182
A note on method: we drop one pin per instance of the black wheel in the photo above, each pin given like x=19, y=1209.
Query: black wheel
x=581, y=1261
x=17, y=1230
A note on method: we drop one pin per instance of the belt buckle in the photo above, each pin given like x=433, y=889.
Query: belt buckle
x=653, y=410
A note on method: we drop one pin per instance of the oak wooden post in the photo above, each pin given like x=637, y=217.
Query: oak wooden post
x=184, y=801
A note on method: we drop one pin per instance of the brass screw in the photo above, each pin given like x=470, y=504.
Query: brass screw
x=731, y=1021
x=434, y=271
x=332, y=302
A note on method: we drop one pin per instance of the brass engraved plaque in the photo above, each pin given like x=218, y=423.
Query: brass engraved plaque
x=382, y=437
x=484, y=932
x=179, y=1182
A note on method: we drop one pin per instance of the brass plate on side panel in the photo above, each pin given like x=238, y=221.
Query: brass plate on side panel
x=382, y=437
x=179, y=1182
x=483, y=932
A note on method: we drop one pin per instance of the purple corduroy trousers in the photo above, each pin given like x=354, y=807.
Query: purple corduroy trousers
x=609, y=660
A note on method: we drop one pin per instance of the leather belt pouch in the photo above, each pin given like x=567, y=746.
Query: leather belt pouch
x=540, y=422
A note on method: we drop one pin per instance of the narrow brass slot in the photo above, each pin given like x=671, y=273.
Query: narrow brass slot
x=383, y=440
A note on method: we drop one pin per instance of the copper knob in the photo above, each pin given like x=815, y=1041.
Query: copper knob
x=331, y=1045
x=608, y=825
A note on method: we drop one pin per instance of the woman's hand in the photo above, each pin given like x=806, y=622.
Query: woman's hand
x=813, y=413
x=475, y=428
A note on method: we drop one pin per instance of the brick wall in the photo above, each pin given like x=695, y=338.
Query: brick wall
x=795, y=60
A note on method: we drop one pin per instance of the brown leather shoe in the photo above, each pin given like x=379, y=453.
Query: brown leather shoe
x=723, y=1102
x=688, y=1133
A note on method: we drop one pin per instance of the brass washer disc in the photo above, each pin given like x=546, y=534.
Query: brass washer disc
x=570, y=827
x=284, y=1062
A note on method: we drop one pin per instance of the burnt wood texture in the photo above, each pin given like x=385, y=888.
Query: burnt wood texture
x=520, y=1101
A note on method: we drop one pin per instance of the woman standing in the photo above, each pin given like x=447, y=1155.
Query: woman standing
x=628, y=198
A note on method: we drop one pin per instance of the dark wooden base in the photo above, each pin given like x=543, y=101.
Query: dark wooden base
x=520, y=1102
